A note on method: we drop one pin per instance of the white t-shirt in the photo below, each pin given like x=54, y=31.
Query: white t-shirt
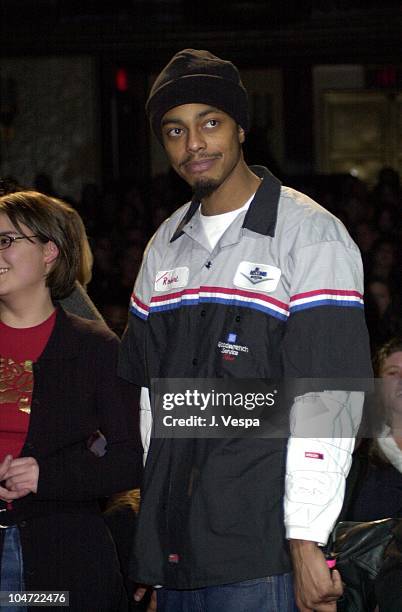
x=216, y=225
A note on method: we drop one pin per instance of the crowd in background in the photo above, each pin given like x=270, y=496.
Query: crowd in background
x=122, y=217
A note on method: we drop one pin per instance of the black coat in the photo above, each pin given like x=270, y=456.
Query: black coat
x=65, y=542
x=373, y=489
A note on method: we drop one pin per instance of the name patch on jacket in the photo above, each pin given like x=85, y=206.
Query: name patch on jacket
x=260, y=277
x=171, y=279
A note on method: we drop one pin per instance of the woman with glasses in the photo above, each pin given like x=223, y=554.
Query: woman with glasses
x=68, y=427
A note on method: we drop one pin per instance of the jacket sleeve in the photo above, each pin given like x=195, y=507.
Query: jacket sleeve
x=317, y=467
x=133, y=358
x=146, y=420
x=76, y=472
x=326, y=338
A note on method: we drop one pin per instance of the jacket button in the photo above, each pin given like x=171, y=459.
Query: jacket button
x=195, y=361
x=203, y=313
x=237, y=319
x=22, y=524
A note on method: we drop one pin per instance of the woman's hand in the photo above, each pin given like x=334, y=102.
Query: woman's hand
x=21, y=477
x=4, y=467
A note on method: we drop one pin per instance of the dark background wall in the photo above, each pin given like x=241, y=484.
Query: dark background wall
x=93, y=40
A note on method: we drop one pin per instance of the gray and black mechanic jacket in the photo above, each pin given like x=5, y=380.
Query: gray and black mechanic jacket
x=212, y=510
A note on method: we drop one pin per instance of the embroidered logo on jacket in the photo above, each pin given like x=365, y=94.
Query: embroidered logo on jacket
x=257, y=275
x=171, y=279
x=229, y=349
x=260, y=276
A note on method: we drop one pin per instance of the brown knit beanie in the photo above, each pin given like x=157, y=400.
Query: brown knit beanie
x=194, y=76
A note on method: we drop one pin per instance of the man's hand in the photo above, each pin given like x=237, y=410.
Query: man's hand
x=316, y=587
x=140, y=593
x=22, y=477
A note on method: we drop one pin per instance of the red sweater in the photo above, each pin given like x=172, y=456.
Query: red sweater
x=19, y=348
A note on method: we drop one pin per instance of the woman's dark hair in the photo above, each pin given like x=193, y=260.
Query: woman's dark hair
x=51, y=219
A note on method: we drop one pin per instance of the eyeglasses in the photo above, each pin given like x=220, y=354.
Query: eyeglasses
x=6, y=241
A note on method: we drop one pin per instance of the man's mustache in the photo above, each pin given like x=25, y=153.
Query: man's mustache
x=197, y=158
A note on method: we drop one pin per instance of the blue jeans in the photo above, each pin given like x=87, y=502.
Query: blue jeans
x=270, y=594
x=12, y=577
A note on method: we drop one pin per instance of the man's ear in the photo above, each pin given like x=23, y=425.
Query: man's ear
x=242, y=134
x=50, y=252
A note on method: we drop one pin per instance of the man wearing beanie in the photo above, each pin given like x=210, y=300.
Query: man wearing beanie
x=248, y=280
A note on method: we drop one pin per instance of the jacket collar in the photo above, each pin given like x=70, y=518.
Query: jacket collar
x=64, y=342
x=390, y=448
x=263, y=211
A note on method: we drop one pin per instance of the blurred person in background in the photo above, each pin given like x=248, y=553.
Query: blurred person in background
x=374, y=484
x=383, y=312
x=378, y=490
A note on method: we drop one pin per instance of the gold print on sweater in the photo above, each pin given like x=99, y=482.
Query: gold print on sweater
x=16, y=383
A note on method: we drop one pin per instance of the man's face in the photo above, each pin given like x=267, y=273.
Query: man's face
x=203, y=145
